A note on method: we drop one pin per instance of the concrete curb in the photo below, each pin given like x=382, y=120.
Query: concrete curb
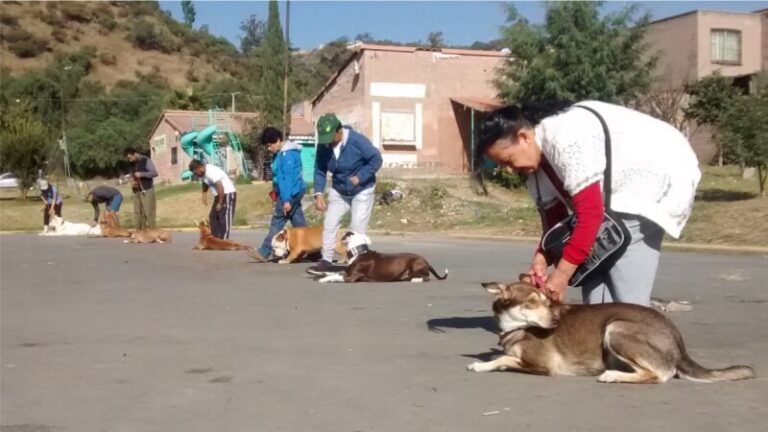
x=682, y=247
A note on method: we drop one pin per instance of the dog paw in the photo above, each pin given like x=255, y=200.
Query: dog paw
x=477, y=367
x=284, y=261
x=607, y=377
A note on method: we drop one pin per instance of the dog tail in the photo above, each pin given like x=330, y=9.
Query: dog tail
x=434, y=273
x=690, y=370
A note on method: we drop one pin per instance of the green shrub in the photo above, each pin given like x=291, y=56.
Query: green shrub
x=11, y=35
x=384, y=186
x=147, y=36
x=506, y=179
x=108, y=59
x=29, y=48
x=75, y=11
x=435, y=197
x=9, y=20
x=59, y=35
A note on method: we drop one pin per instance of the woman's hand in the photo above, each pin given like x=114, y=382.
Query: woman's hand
x=537, y=270
x=555, y=286
x=557, y=281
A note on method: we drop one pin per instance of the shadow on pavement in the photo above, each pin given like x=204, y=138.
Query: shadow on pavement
x=486, y=323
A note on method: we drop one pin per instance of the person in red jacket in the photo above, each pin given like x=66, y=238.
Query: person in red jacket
x=561, y=150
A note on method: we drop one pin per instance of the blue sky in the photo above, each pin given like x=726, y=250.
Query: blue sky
x=462, y=22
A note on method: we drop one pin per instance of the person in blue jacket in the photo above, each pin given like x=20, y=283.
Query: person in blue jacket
x=288, y=188
x=352, y=161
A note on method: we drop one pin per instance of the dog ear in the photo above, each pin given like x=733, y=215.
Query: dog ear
x=526, y=278
x=494, y=288
x=347, y=235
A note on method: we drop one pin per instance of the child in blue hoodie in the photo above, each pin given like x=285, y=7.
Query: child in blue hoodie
x=288, y=186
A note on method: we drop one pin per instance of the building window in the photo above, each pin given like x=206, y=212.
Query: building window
x=159, y=143
x=726, y=46
x=174, y=155
x=398, y=128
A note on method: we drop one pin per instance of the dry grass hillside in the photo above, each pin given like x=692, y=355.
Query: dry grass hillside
x=128, y=37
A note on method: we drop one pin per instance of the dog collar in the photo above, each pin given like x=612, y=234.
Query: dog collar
x=355, y=251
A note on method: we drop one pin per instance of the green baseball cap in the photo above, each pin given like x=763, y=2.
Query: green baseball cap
x=327, y=125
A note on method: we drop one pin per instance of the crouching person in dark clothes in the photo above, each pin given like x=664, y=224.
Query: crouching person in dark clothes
x=225, y=196
x=111, y=198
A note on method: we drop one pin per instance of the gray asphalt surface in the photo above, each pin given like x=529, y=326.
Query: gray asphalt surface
x=98, y=335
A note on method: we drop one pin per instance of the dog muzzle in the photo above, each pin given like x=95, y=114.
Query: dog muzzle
x=356, y=251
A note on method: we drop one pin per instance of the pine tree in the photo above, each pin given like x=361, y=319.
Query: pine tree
x=189, y=12
x=272, y=70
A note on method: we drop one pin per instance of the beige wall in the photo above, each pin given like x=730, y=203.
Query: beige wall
x=345, y=98
x=751, y=36
x=764, y=43
x=167, y=172
x=675, y=42
x=421, y=81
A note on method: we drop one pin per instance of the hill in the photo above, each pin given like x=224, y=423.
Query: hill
x=127, y=38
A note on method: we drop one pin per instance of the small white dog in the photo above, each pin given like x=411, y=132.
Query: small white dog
x=60, y=227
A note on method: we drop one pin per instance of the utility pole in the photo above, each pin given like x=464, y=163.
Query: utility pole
x=233, y=100
x=286, y=114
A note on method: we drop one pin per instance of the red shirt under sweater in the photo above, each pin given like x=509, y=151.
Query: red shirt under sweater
x=588, y=208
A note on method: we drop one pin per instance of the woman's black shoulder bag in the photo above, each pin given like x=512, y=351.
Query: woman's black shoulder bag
x=613, y=237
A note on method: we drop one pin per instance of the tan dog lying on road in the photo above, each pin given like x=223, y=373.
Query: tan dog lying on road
x=622, y=343
x=110, y=228
x=297, y=243
x=150, y=236
x=208, y=242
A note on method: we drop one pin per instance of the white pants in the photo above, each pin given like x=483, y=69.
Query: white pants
x=338, y=205
x=631, y=278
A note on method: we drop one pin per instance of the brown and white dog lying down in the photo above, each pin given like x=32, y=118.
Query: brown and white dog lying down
x=295, y=244
x=622, y=343
x=208, y=242
x=366, y=265
x=150, y=236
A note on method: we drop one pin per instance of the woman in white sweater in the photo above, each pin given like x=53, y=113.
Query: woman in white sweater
x=561, y=149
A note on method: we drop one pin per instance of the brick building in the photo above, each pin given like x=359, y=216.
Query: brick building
x=415, y=104
x=170, y=160
x=698, y=43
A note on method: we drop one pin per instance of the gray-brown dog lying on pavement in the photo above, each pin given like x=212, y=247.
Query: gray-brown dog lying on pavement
x=366, y=265
x=623, y=343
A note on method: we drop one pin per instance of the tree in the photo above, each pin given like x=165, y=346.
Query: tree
x=575, y=55
x=711, y=97
x=25, y=143
x=435, y=39
x=743, y=131
x=272, y=53
x=189, y=12
x=253, y=33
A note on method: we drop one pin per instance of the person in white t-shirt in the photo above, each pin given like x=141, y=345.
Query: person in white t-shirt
x=225, y=196
x=560, y=147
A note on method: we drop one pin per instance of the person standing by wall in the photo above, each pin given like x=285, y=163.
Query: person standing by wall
x=223, y=208
x=287, y=185
x=52, y=200
x=352, y=161
x=143, y=173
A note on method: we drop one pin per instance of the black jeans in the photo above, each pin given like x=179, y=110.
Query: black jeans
x=47, y=212
x=221, y=220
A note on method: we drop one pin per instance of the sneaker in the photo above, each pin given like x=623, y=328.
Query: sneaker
x=257, y=256
x=322, y=268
